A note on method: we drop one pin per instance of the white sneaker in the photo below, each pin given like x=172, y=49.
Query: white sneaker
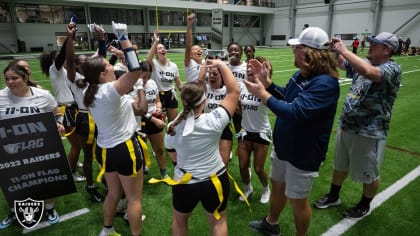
x=265, y=197
x=247, y=192
x=125, y=217
x=79, y=164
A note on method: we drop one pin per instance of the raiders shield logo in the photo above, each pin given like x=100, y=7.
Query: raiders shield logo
x=29, y=212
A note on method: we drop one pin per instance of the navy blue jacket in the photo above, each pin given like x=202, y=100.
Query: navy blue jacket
x=305, y=111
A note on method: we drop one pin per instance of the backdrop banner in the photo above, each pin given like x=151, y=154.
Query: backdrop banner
x=33, y=161
x=216, y=29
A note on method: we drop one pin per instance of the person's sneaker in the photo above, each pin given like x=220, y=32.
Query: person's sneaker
x=78, y=178
x=94, y=194
x=247, y=192
x=121, y=206
x=356, y=212
x=265, y=197
x=125, y=217
x=327, y=201
x=145, y=170
x=52, y=216
x=111, y=233
x=8, y=221
x=79, y=165
x=265, y=227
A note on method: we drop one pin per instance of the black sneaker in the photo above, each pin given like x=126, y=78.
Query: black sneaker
x=94, y=194
x=356, y=212
x=326, y=201
x=265, y=227
x=8, y=221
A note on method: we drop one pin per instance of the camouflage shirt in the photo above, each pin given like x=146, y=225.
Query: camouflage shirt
x=368, y=105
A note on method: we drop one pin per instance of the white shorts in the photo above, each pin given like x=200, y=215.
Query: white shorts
x=358, y=155
x=298, y=183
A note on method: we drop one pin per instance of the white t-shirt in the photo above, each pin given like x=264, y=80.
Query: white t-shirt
x=164, y=75
x=239, y=72
x=61, y=85
x=78, y=93
x=113, y=115
x=198, y=153
x=214, y=98
x=151, y=91
x=192, y=71
x=12, y=106
x=254, y=112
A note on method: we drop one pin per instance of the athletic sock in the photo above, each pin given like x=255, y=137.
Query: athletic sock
x=334, y=190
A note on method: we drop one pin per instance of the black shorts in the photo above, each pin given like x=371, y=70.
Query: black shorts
x=227, y=133
x=237, y=119
x=149, y=128
x=123, y=158
x=185, y=197
x=255, y=137
x=168, y=99
x=69, y=114
x=85, y=126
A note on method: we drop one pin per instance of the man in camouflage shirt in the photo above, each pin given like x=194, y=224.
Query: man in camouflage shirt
x=364, y=123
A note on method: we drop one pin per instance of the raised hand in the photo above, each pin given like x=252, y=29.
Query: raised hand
x=120, y=30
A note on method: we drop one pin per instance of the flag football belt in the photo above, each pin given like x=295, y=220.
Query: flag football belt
x=63, y=108
x=130, y=146
x=214, y=179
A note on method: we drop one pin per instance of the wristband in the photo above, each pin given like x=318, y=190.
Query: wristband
x=59, y=118
x=148, y=116
x=131, y=59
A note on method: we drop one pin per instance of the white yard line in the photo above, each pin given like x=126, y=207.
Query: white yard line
x=345, y=224
x=64, y=217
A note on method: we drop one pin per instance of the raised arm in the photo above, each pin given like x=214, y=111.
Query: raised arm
x=358, y=64
x=71, y=68
x=188, y=39
x=232, y=89
x=126, y=82
x=152, y=50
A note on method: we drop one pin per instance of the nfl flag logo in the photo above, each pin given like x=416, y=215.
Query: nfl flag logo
x=29, y=212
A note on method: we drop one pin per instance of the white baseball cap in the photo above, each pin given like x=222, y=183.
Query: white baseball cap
x=313, y=37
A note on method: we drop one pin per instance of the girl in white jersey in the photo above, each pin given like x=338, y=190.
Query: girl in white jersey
x=85, y=126
x=216, y=92
x=238, y=69
x=52, y=65
x=165, y=74
x=254, y=138
x=195, y=136
x=153, y=122
x=22, y=92
x=118, y=150
x=193, y=53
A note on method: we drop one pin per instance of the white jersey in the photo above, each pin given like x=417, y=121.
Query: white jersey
x=254, y=112
x=239, y=72
x=41, y=101
x=61, y=85
x=113, y=115
x=164, y=75
x=198, y=153
x=192, y=71
x=78, y=93
x=214, y=98
x=151, y=91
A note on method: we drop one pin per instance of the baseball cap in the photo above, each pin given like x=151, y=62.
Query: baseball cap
x=313, y=37
x=385, y=38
